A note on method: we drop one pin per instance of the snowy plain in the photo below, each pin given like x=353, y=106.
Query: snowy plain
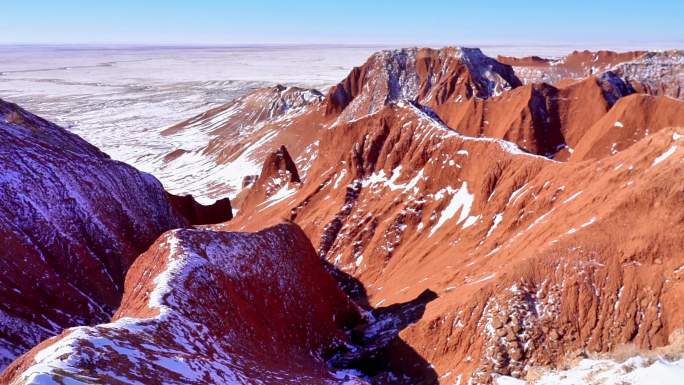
x=119, y=98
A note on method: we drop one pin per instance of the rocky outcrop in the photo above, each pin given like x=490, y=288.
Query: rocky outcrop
x=479, y=96
x=204, y=307
x=656, y=73
x=576, y=65
x=418, y=75
x=278, y=180
x=71, y=223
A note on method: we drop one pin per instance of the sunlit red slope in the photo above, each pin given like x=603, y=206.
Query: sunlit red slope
x=532, y=259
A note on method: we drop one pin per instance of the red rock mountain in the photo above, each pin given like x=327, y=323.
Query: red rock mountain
x=522, y=251
x=278, y=178
x=656, y=73
x=71, y=222
x=220, y=150
x=209, y=307
x=483, y=222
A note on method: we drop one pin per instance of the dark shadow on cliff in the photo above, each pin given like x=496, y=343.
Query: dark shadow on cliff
x=198, y=214
x=377, y=350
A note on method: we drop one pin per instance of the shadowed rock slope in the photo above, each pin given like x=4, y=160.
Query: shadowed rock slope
x=71, y=223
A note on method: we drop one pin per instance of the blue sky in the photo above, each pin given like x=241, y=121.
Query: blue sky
x=208, y=22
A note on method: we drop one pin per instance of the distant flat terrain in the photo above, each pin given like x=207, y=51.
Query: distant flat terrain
x=118, y=98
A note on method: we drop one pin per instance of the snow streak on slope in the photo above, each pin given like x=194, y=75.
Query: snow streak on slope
x=461, y=200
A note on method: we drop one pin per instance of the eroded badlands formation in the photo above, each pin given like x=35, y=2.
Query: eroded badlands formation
x=72, y=222
x=450, y=218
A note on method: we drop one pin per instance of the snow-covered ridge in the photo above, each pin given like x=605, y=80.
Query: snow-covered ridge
x=429, y=119
x=194, y=166
x=218, y=299
x=395, y=75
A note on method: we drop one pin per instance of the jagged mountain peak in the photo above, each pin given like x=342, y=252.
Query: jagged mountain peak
x=280, y=161
x=418, y=75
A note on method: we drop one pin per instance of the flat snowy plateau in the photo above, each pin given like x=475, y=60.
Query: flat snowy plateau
x=120, y=98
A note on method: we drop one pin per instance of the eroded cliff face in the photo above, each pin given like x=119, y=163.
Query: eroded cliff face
x=71, y=222
x=655, y=73
x=209, y=307
x=484, y=223
x=533, y=259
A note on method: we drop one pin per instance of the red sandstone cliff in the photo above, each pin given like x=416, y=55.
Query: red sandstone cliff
x=530, y=261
